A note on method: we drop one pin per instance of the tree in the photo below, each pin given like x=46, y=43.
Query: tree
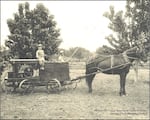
x=118, y=25
x=138, y=11
x=31, y=27
x=106, y=50
x=131, y=28
x=4, y=54
x=4, y=57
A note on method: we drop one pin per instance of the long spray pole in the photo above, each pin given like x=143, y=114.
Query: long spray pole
x=73, y=54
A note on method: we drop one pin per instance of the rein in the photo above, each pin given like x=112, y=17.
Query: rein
x=126, y=57
x=111, y=68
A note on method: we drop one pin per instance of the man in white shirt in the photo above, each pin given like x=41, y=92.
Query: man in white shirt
x=40, y=56
x=60, y=58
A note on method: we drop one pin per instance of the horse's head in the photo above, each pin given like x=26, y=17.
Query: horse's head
x=138, y=52
x=142, y=53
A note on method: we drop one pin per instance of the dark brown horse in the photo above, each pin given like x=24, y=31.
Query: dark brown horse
x=113, y=64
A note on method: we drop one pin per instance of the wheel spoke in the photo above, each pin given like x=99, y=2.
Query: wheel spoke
x=53, y=85
x=26, y=86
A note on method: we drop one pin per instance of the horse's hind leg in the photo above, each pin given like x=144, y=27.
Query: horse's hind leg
x=89, y=80
x=121, y=86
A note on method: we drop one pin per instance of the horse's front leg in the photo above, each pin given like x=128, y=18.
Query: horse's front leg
x=89, y=80
x=89, y=83
x=122, y=83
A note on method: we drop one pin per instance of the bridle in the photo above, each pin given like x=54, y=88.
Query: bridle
x=138, y=51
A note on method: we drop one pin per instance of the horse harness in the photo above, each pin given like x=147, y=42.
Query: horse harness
x=125, y=57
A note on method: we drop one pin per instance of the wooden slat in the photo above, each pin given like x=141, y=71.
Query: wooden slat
x=23, y=60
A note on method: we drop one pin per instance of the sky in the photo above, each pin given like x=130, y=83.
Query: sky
x=82, y=23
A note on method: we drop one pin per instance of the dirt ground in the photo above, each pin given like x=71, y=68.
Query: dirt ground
x=103, y=103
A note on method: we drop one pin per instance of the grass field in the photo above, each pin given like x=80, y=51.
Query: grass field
x=103, y=103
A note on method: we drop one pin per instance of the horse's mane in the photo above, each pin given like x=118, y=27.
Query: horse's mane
x=97, y=57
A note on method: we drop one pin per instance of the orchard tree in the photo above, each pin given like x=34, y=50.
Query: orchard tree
x=106, y=50
x=138, y=13
x=117, y=24
x=131, y=28
x=4, y=54
x=28, y=28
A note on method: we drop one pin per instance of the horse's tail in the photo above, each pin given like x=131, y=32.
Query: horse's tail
x=86, y=73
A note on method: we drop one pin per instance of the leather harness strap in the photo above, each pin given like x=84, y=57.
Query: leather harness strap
x=112, y=61
x=125, y=57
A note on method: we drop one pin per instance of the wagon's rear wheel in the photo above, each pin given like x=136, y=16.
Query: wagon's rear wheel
x=53, y=86
x=26, y=85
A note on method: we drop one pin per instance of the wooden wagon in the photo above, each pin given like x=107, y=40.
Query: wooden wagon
x=26, y=75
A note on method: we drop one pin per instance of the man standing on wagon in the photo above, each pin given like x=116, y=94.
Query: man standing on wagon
x=61, y=54
x=40, y=56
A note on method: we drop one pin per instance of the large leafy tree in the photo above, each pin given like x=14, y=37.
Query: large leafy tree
x=138, y=13
x=119, y=40
x=4, y=57
x=131, y=28
x=106, y=50
x=28, y=28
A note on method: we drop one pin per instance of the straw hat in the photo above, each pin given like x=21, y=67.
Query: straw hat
x=39, y=45
x=61, y=51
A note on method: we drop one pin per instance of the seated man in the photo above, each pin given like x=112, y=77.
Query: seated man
x=61, y=55
x=40, y=56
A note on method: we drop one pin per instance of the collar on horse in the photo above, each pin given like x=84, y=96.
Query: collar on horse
x=126, y=57
x=112, y=61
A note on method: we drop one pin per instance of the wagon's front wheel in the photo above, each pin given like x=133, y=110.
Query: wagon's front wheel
x=26, y=85
x=53, y=86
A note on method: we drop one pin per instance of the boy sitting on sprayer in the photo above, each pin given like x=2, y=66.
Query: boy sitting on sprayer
x=40, y=56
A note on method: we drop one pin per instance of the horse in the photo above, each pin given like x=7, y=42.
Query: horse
x=113, y=64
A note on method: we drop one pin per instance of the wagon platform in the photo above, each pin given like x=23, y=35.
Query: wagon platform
x=54, y=76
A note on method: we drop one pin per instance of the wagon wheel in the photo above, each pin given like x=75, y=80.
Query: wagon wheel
x=71, y=86
x=26, y=85
x=53, y=86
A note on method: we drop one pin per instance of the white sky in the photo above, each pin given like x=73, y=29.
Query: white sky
x=81, y=22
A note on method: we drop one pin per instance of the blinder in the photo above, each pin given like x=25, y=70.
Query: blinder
x=142, y=53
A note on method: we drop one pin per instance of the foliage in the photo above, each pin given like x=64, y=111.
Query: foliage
x=106, y=50
x=138, y=11
x=4, y=57
x=31, y=27
x=4, y=54
x=131, y=28
x=117, y=24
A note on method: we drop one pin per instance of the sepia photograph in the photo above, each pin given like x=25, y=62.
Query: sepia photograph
x=75, y=59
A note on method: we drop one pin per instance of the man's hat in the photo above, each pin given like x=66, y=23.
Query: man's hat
x=61, y=51
x=39, y=45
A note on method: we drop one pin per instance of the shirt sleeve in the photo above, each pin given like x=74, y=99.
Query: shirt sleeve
x=37, y=54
